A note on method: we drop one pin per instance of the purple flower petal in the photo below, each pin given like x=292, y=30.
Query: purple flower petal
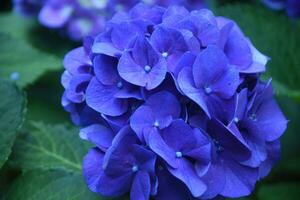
x=163, y=104
x=77, y=86
x=139, y=120
x=141, y=186
x=75, y=59
x=170, y=187
x=228, y=139
x=211, y=71
x=92, y=170
x=114, y=186
x=179, y=136
x=238, y=51
x=105, y=68
x=158, y=145
x=265, y=117
x=170, y=43
x=240, y=180
x=142, y=66
x=123, y=34
x=187, y=174
x=214, y=179
x=273, y=149
x=55, y=17
x=100, y=98
x=106, y=48
x=187, y=85
x=99, y=135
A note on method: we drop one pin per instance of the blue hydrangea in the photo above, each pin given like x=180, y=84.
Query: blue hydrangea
x=174, y=104
x=80, y=18
x=28, y=7
x=292, y=7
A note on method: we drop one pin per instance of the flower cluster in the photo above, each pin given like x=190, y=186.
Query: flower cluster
x=28, y=7
x=292, y=6
x=173, y=103
x=80, y=18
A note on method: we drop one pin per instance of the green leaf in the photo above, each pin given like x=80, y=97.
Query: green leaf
x=290, y=191
x=50, y=157
x=290, y=144
x=23, y=63
x=50, y=147
x=46, y=107
x=34, y=34
x=282, y=90
x=275, y=35
x=12, y=109
x=15, y=25
x=50, y=185
x=50, y=113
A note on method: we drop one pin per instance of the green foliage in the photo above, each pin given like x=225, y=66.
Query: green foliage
x=290, y=161
x=50, y=147
x=290, y=191
x=50, y=157
x=283, y=90
x=12, y=109
x=46, y=159
x=28, y=49
x=16, y=26
x=30, y=31
x=49, y=185
x=46, y=107
x=18, y=57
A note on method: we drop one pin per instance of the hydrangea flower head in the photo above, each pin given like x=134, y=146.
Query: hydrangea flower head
x=80, y=18
x=28, y=7
x=174, y=104
x=292, y=7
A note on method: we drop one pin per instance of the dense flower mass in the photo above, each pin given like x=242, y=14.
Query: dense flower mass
x=174, y=104
x=80, y=18
x=292, y=7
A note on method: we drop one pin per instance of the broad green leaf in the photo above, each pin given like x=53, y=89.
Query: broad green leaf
x=46, y=107
x=15, y=25
x=49, y=113
x=49, y=147
x=282, y=90
x=12, y=110
x=290, y=165
x=289, y=191
x=50, y=185
x=30, y=31
x=290, y=143
x=23, y=63
x=275, y=35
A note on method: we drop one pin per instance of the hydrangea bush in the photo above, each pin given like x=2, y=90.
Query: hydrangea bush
x=292, y=7
x=174, y=104
x=80, y=18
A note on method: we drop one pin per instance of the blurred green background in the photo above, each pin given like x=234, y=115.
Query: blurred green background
x=42, y=159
